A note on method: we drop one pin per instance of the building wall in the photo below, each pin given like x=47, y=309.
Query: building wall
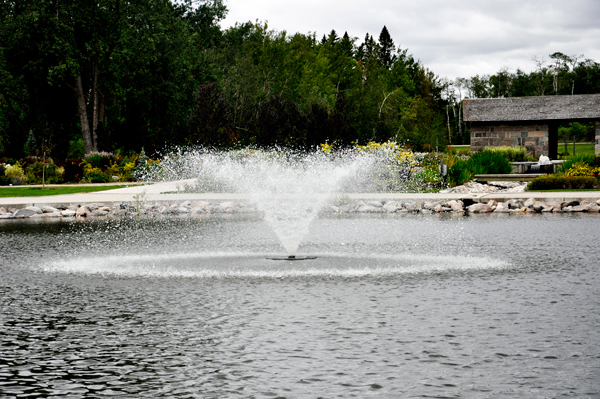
x=597, y=138
x=534, y=136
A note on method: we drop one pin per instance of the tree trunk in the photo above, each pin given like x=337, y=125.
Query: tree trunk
x=95, y=107
x=448, y=124
x=83, y=117
x=460, y=119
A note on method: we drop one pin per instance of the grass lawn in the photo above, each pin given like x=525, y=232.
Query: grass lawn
x=25, y=191
x=580, y=149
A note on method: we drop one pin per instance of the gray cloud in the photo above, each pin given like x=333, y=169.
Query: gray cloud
x=452, y=38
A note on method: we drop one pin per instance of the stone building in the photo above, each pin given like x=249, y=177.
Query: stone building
x=530, y=122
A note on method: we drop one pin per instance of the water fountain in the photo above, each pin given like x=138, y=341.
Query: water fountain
x=289, y=188
x=392, y=306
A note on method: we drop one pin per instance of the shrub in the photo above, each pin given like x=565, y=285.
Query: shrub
x=484, y=162
x=513, y=154
x=52, y=175
x=490, y=162
x=430, y=159
x=554, y=182
x=15, y=173
x=428, y=175
x=590, y=160
x=4, y=180
x=459, y=170
x=99, y=159
x=582, y=169
x=73, y=173
x=95, y=175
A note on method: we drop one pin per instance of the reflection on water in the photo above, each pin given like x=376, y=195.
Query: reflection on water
x=392, y=307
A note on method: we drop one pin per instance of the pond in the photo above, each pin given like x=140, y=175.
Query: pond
x=499, y=306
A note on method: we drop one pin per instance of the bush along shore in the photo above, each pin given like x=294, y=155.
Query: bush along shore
x=204, y=208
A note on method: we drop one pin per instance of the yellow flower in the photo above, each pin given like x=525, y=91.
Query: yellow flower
x=581, y=169
x=326, y=148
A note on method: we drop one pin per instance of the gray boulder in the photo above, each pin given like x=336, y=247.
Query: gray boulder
x=392, y=206
x=25, y=213
x=580, y=208
x=93, y=206
x=412, y=206
x=83, y=211
x=514, y=204
x=529, y=203
x=479, y=208
x=455, y=205
x=502, y=207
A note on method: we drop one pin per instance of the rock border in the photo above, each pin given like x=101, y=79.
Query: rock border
x=202, y=208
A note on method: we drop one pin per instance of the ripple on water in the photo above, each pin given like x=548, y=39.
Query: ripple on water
x=252, y=265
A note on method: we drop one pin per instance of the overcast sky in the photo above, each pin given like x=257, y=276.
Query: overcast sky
x=452, y=38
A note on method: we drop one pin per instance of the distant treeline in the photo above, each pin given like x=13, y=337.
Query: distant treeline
x=120, y=74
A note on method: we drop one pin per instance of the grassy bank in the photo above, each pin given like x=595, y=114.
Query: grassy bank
x=580, y=149
x=27, y=191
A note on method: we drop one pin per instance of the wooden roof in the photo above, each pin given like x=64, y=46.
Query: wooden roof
x=581, y=106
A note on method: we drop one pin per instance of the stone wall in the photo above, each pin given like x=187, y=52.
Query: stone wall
x=597, y=138
x=533, y=136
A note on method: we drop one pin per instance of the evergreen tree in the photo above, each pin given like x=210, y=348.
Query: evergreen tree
x=386, y=48
x=30, y=145
x=346, y=46
x=333, y=38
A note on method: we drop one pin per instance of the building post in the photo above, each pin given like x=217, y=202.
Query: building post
x=598, y=138
x=553, y=139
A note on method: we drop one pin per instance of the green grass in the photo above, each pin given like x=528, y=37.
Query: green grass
x=580, y=149
x=25, y=191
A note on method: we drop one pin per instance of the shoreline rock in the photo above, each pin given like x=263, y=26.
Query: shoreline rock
x=202, y=208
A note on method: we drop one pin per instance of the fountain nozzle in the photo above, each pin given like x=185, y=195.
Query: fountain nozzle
x=293, y=257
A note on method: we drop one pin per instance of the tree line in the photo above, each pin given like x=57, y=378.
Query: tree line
x=119, y=74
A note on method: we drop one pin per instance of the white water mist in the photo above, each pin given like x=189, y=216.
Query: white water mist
x=290, y=188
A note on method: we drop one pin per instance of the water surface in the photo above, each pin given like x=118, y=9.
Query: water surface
x=484, y=306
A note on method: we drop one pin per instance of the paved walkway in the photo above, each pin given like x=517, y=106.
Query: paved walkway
x=156, y=192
